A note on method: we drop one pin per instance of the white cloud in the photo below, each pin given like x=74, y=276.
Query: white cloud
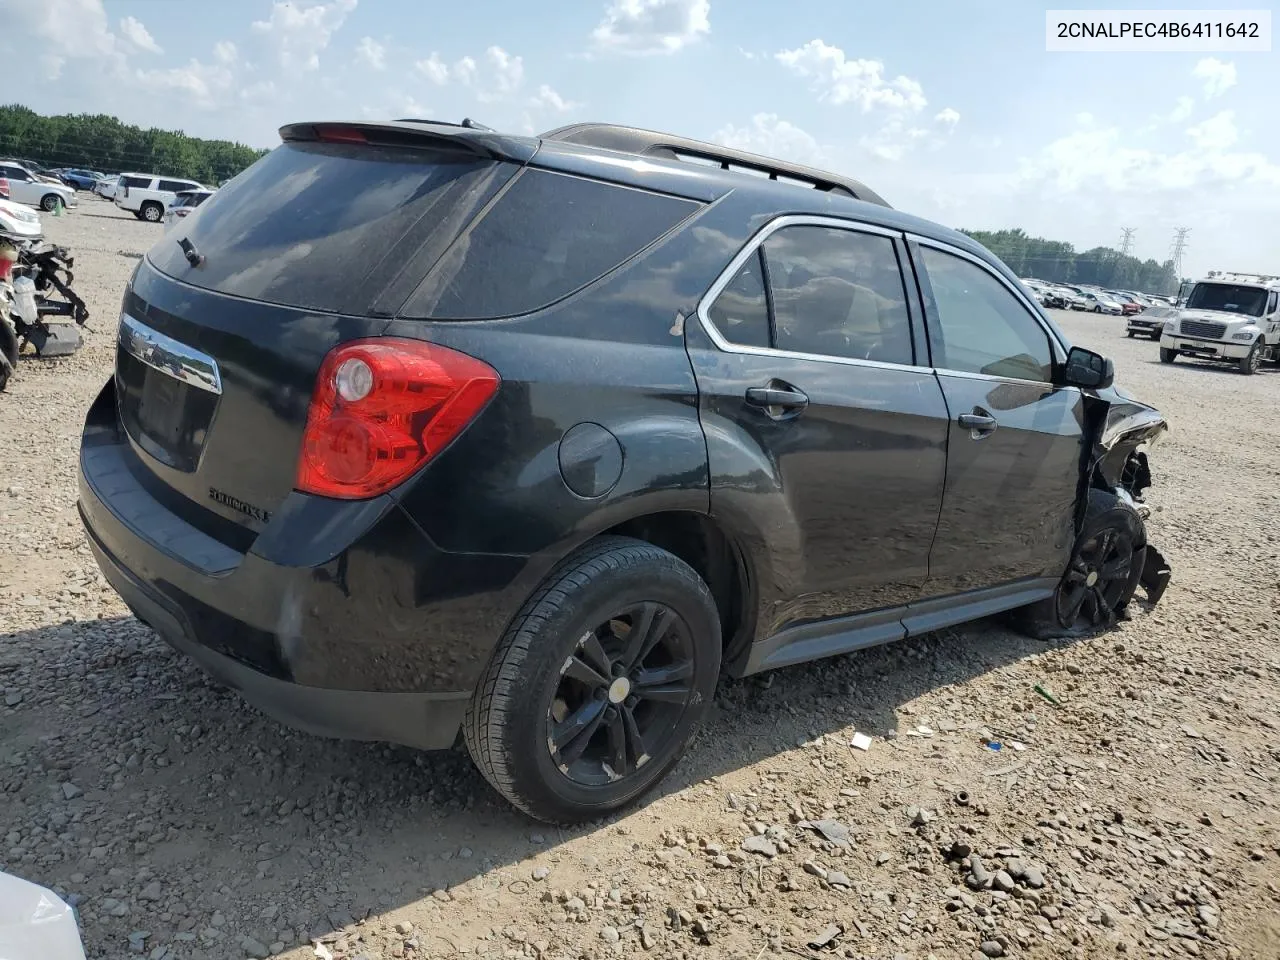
x=1217, y=133
x=648, y=27
x=371, y=53
x=947, y=117
x=771, y=136
x=840, y=80
x=548, y=98
x=1183, y=110
x=138, y=35
x=507, y=75
x=1217, y=76
x=434, y=69
x=224, y=51
x=202, y=85
x=300, y=33
x=894, y=140
x=464, y=71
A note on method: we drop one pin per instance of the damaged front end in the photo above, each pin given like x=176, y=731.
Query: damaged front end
x=1124, y=430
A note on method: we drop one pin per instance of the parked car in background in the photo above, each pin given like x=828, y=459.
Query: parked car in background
x=37, y=171
x=184, y=204
x=1150, y=322
x=26, y=187
x=1070, y=298
x=4, y=189
x=81, y=179
x=532, y=512
x=148, y=196
x=1129, y=304
x=107, y=186
x=1098, y=302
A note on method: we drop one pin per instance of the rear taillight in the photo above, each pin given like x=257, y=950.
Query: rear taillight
x=4, y=189
x=384, y=407
x=6, y=266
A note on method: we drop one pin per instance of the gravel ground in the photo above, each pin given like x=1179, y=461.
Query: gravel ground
x=1138, y=820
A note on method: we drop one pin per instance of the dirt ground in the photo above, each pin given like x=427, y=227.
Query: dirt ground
x=1140, y=818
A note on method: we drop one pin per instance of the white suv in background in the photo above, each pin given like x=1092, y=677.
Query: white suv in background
x=148, y=196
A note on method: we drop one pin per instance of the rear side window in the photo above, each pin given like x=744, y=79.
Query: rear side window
x=139, y=182
x=334, y=227
x=741, y=311
x=173, y=186
x=547, y=236
x=838, y=293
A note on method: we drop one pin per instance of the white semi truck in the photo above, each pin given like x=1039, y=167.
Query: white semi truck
x=1229, y=317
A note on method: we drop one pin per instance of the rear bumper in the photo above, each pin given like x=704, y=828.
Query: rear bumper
x=342, y=619
x=424, y=720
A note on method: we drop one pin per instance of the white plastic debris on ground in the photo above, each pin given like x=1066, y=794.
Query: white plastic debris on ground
x=35, y=924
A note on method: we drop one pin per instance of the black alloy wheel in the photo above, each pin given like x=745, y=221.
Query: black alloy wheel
x=599, y=684
x=1102, y=574
x=1094, y=586
x=621, y=694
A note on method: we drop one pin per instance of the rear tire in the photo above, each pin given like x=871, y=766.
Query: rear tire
x=552, y=719
x=151, y=212
x=1101, y=577
x=1167, y=355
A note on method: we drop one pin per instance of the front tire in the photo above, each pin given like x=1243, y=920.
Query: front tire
x=49, y=202
x=600, y=682
x=1101, y=577
x=1252, y=362
x=1167, y=355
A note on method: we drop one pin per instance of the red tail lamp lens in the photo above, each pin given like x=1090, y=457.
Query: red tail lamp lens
x=383, y=408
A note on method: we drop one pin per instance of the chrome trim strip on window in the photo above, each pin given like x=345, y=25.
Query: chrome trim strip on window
x=166, y=355
x=743, y=255
x=1059, y=348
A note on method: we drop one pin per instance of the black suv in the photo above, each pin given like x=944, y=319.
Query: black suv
x=420, y=433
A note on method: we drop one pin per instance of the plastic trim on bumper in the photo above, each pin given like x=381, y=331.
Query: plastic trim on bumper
x=426, y=721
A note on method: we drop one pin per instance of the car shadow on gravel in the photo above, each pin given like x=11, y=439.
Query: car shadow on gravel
x=177, y=774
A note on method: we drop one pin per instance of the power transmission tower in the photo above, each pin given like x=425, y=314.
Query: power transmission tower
x=1179, y=248
x=1126, y=240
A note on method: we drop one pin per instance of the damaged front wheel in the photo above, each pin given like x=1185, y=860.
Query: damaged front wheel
x=1105, y=569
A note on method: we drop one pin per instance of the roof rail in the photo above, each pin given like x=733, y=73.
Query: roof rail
x=650, y=143
x=1236, y=275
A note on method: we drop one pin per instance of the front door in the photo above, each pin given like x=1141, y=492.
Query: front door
x=1015, y=440
x=827, y=442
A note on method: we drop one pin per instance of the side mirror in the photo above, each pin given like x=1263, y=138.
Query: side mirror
x=1089, y=370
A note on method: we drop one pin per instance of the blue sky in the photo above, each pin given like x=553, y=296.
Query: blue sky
x=952, y=110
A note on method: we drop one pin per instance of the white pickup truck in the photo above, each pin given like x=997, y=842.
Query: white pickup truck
x=1230, y=317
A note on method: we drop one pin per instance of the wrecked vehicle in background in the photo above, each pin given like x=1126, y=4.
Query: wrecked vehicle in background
x=551, y=433
x=38, y=308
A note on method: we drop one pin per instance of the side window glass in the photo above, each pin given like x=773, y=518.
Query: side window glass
x=173, y=186
x=838, y=293
x=1271, y=302
x=983, y=327
x=741, y=312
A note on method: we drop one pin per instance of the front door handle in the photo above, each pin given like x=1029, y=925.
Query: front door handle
x=979, y=423
x=779, y=400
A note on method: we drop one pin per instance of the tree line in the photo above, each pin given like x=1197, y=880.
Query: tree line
x=103, y=143
x=1059, y=262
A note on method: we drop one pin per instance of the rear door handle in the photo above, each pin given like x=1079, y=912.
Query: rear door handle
x=779, y=400
x=979, y=423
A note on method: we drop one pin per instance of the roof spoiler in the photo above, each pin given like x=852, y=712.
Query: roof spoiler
x=667, y=146
x=462, y=140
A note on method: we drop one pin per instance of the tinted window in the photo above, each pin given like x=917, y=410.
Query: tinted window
x=338, y=227
x=141, y=182
x=838, y=293
x=741, y=312
x=1271, y=303
x=173, y=186
x=983, y=328
x=547, y=236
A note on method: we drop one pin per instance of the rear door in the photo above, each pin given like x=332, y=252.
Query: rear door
x=1015, y=439
x=825, y=435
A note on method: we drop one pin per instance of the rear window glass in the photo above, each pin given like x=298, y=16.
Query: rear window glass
x=332, y=227
x=547, y=236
